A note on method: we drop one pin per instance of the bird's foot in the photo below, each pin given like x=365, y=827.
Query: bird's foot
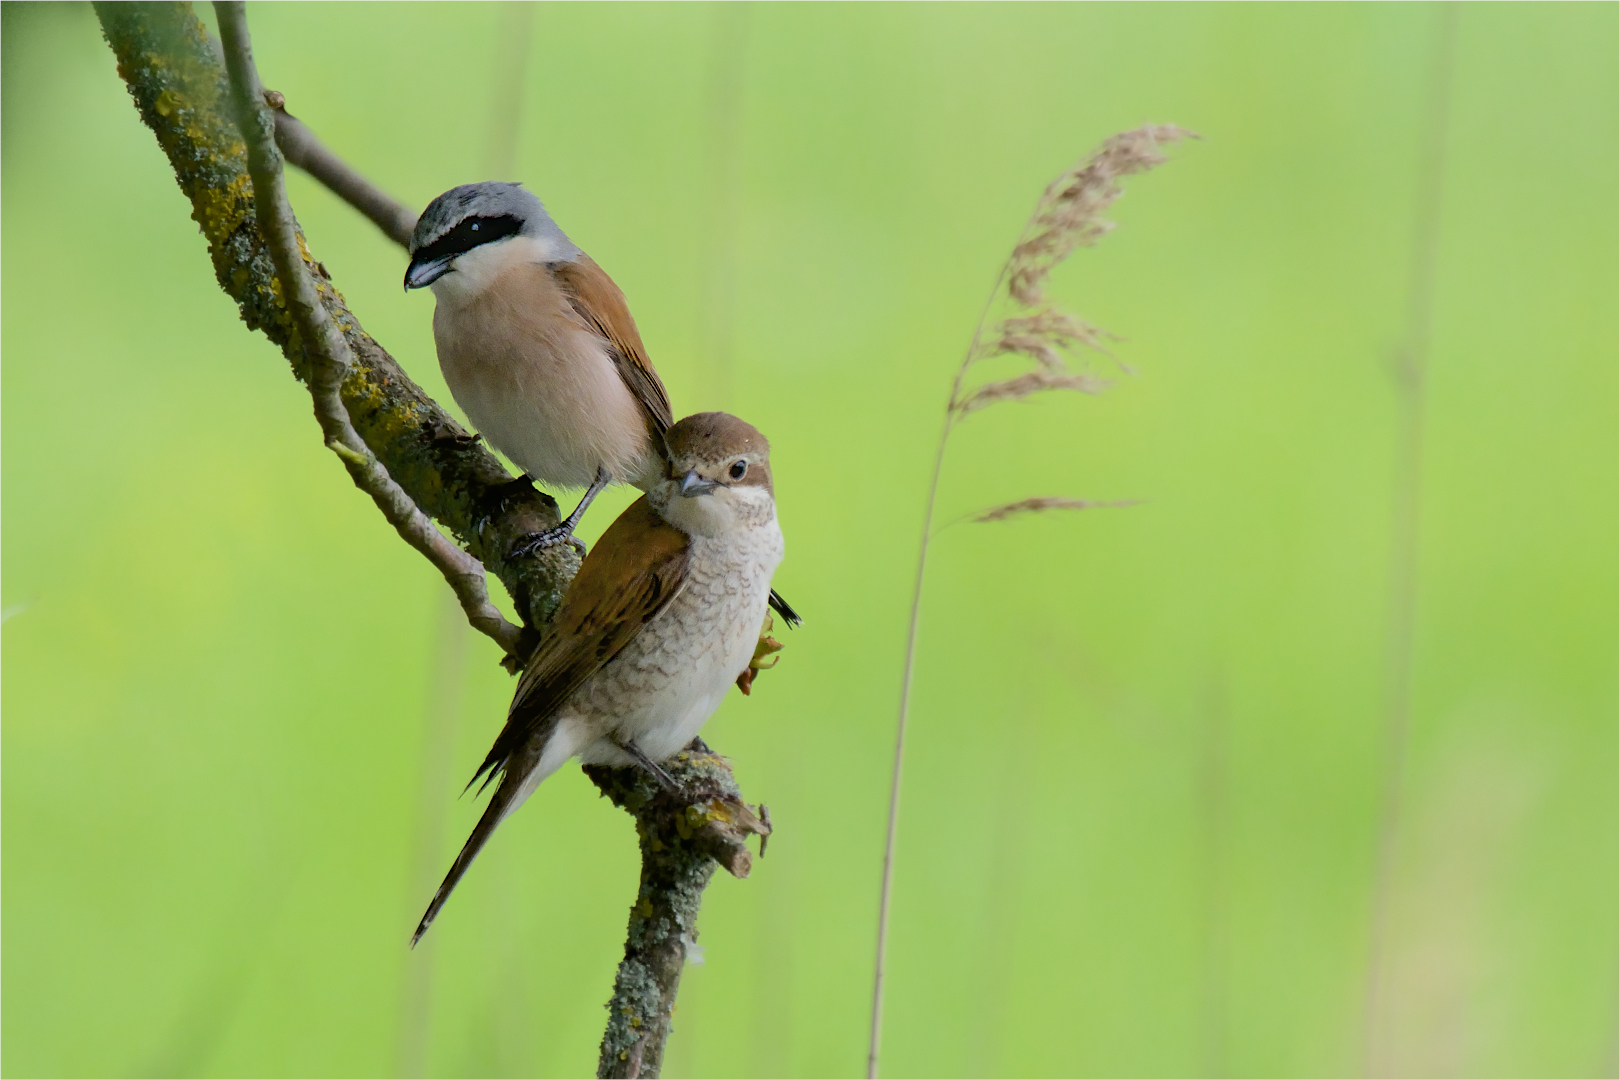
x=558, y=534
x=765, y=658
x=564, y=530
x=665, y=781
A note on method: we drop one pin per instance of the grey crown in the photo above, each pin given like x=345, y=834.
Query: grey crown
x=492, y=198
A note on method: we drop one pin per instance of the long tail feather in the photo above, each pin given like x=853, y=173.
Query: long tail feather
x=493, y=813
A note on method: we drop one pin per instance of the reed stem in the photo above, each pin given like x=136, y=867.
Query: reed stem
x=884, y=899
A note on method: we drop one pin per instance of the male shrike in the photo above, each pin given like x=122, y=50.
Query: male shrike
x=538, y=346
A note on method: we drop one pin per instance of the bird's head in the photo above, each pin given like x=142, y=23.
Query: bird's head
x=469, y=227
x=719, y=475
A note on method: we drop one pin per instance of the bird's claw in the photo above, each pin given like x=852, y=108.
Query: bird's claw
x=528, y=544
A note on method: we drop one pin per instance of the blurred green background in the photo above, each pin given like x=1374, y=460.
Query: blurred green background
x=1143, y=790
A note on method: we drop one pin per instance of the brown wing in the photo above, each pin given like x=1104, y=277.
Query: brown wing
x=599, y=302
x=632, y=574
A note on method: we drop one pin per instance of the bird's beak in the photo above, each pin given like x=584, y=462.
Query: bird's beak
x=420, y=274
x=693, y=485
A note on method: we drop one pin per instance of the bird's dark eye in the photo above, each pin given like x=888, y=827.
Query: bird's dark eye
x=738, y=469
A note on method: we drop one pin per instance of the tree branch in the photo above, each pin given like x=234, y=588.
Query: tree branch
x=301, y=148
x=173, y=75
x=682, y=837
x=327, y=355
x=406, y=452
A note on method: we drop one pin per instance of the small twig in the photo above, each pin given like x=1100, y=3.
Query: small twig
x=302, y=148
x=464, y=573
x=327, y=354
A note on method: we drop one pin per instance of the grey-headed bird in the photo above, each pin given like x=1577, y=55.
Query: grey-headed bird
x=538, y=346
x=660, y=621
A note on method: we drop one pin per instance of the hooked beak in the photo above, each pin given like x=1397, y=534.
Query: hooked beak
x=693, y=485
x=420, y=274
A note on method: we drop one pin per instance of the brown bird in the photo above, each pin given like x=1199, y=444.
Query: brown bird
x=658, y=624
x=538, y=347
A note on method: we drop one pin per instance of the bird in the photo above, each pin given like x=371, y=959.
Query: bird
x=660, y=621
x=539, y=348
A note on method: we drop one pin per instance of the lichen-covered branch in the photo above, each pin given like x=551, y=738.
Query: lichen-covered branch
x=681, y=840
x=414, y=460
x=175, y=78
x=327, y=357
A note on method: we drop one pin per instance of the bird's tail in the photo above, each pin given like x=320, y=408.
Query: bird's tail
x=784, y=609
x=499, y=804
x=519, y=775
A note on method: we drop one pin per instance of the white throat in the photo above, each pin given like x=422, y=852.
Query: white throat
x=474, y=271
x=722, y=512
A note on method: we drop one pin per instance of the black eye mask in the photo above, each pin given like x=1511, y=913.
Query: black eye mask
x=471, y=233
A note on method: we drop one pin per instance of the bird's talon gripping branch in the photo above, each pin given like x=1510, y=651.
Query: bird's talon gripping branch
x=564, y=530
x=533, y=543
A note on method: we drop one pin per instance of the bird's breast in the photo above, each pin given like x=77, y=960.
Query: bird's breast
x=538, y=383
x=671, y=678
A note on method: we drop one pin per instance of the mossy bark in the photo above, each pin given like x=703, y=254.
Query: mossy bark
x=682, y=838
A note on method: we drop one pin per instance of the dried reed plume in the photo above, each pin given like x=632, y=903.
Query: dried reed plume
x=1068, y=216
x=1041, y=503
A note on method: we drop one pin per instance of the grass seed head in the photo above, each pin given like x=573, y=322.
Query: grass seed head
x=1022, y=386
x=1041, y=504
x=1069, y=214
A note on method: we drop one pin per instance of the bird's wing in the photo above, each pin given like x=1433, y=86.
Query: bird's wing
x=599, y=302
x=630, y=575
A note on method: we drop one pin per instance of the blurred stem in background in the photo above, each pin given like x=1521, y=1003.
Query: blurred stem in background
x=725, y=84
x=1215, y=818
x=513, y=42
x=1067, y=216
x=439, y=729
x=1410, y=371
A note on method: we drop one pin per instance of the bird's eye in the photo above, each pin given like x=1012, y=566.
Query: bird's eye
x=738, y=468
x=475, y=226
